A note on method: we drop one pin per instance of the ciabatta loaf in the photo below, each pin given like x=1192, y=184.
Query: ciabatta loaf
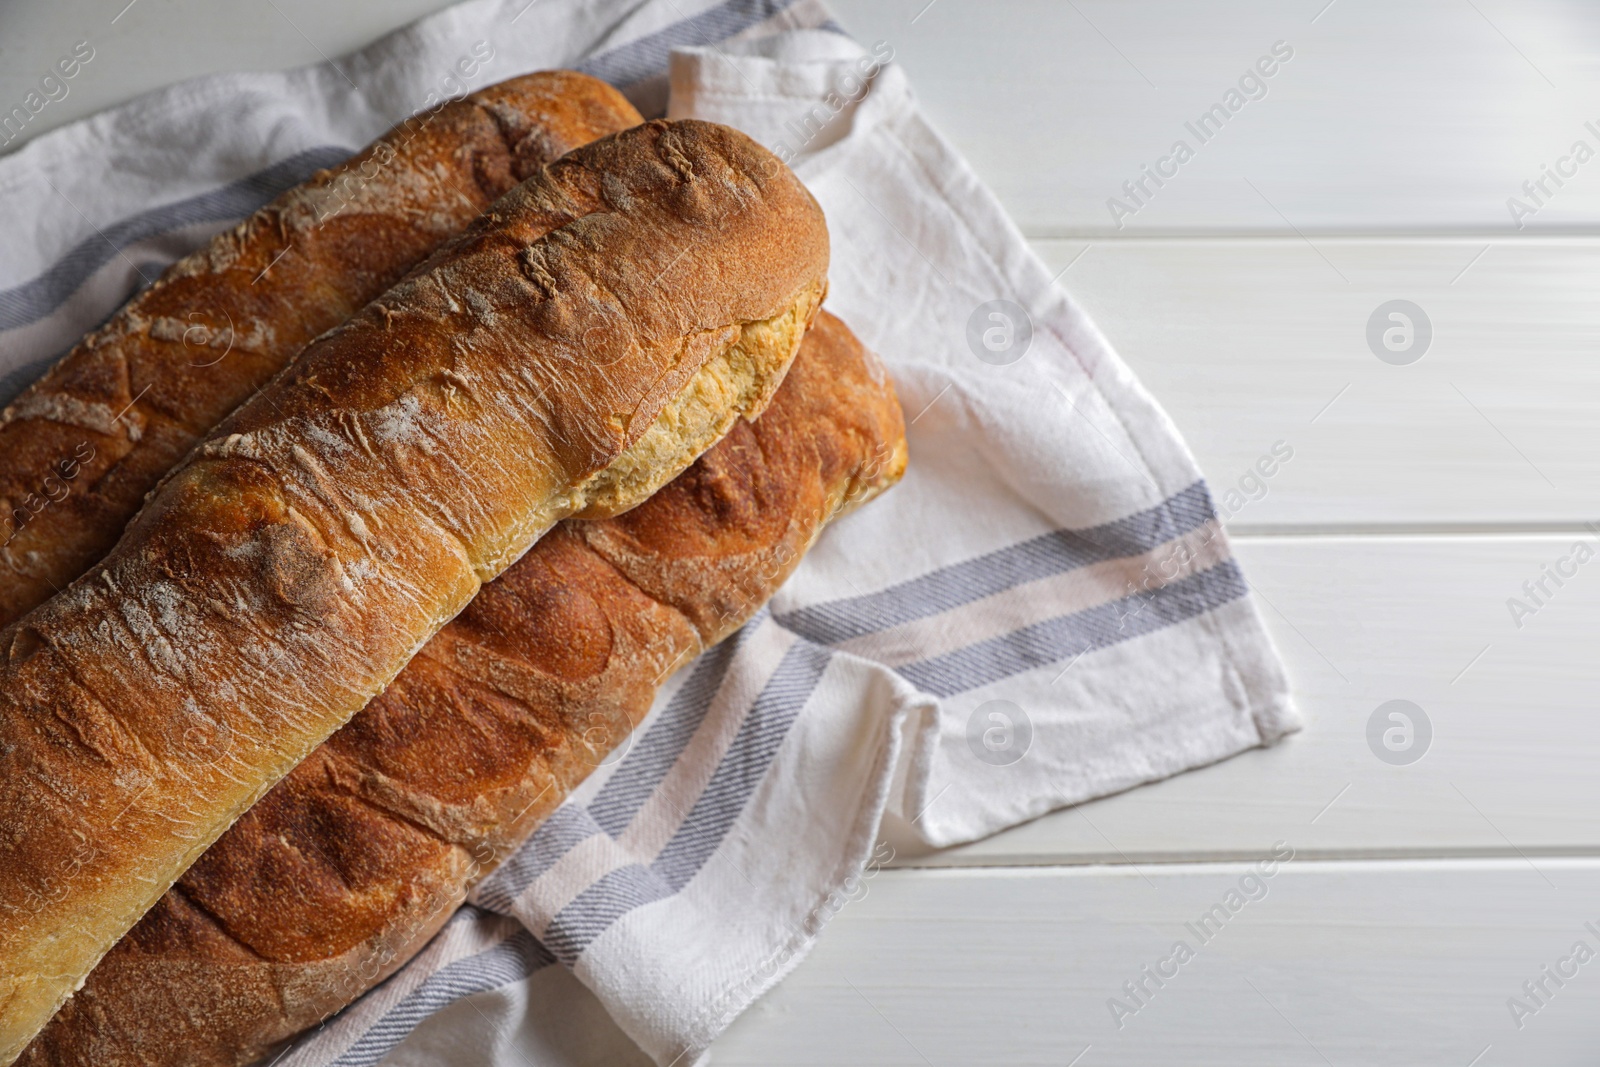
x=84, y=444
x=604, y=324
x=346, y=867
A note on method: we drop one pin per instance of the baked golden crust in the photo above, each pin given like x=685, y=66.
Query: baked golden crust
x=86, y=442
x=285, y=572
x=350, y=863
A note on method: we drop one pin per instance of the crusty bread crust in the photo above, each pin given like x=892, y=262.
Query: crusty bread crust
x=605, y=324
x=345, y=868
x=85, y=443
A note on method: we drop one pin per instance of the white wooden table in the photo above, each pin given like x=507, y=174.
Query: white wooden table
x=1420, y=498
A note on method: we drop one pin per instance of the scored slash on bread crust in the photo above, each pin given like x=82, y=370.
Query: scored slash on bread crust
x=286, y=571
x=345, y=868
x=85, y=443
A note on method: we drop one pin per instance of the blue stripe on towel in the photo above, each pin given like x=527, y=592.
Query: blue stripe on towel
x=516, y=958
x=37, y=298
x=707, y=823
x=1006, y=568
x=1066, y=636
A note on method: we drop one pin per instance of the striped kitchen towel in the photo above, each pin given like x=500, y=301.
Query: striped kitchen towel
x=1046, y=610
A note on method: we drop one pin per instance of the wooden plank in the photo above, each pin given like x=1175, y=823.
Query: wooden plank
x=1339, y=963
x=1361, y=621
x=1411, y=118
x=1251, y=342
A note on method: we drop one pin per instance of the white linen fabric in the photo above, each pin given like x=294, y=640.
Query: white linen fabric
x=1046, y=610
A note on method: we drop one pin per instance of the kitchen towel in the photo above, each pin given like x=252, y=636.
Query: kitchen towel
x=1045, y=611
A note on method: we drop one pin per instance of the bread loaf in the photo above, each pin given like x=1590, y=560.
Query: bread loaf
x=604, y=324
x=354, y=859
x=84, y=444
